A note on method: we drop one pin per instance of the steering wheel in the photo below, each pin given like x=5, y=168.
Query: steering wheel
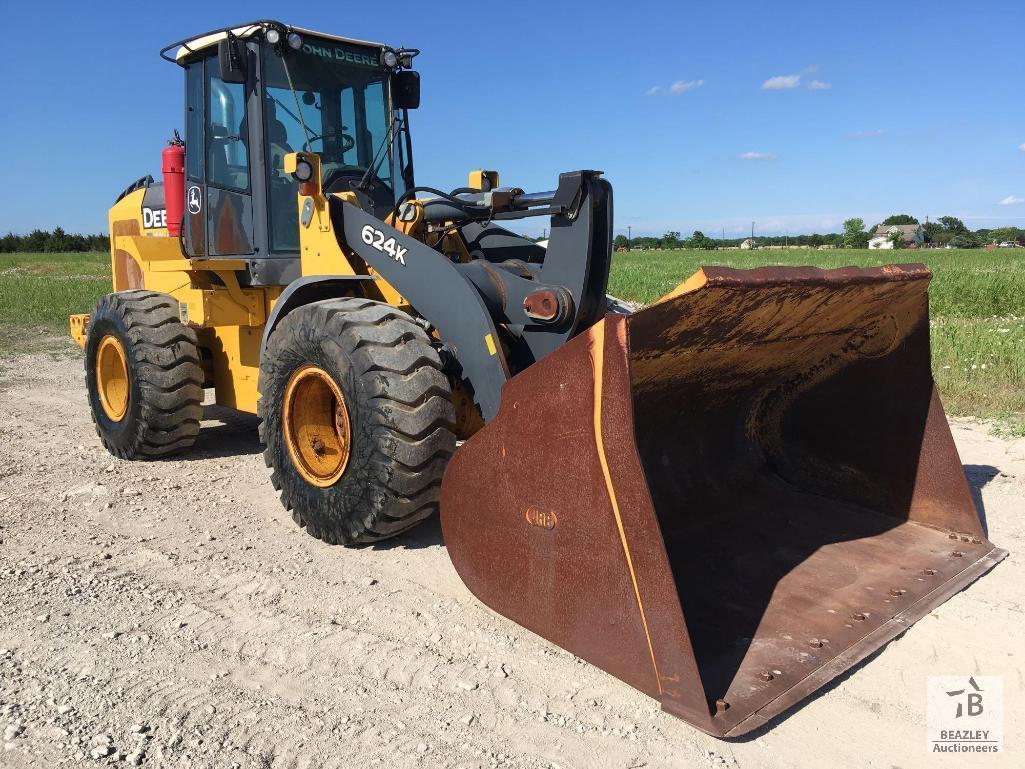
x=347, y=141
x=341, y=180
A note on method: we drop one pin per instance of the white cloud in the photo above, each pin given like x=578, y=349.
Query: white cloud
x=865, y=134
x=811, y=69
x=1021, y=147
x=757, y=156
x=1011, y=200
x=781, y=83
x=818, y=85
x=682, y=86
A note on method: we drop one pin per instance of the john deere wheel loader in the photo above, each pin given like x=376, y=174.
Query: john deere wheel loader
x=725, y=499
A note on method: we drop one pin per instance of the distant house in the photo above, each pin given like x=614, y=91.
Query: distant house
x=912, y=234
x=747, y=244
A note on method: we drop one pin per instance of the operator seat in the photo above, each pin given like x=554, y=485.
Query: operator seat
x=277, y=143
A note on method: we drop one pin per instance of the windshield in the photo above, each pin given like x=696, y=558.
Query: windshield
x=343, y=101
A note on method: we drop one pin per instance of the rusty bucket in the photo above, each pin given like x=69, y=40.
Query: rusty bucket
x=728, y=498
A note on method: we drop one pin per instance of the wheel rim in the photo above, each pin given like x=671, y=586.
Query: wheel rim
x=316, y=426
x=112, y=377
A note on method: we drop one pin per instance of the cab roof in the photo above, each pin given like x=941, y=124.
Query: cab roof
x=204, y=40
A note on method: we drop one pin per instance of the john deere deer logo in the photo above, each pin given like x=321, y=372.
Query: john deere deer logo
x=195, y=200
x=545, y=519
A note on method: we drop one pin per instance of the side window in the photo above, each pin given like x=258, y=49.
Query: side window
x=226, y=134
x=194, y=120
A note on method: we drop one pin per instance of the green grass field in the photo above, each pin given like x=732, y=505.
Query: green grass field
x=977, y=302
x=39, y=291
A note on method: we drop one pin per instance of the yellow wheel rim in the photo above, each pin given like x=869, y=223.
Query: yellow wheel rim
x=112, y=377
x=315, y=422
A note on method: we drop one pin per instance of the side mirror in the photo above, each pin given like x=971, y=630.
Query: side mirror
x=405, y=89
x=231, y=62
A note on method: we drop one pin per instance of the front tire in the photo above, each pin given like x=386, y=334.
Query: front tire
x=357, y=419
x=143, y=375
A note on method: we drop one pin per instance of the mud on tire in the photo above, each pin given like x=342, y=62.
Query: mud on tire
x=400, y=417
x=165, y=380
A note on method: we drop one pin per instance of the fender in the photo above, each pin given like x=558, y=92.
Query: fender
x=302, y=291
x=438, y=291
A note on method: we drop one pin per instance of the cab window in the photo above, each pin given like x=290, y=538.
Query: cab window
x=194, y=120
x=340, y=108
x=227, y=160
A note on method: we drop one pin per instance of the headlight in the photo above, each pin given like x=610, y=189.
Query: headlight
x=294, y=41
x=272, y=36
x=390, y=58
x=303, y=170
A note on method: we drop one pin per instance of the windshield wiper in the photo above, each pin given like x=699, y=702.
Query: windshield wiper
x=299, y=110
x=364, y=183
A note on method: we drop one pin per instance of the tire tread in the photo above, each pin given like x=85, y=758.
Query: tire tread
x=165, y=353
x=409, y=409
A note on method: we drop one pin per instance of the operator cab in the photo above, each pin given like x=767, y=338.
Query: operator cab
x=257, y=92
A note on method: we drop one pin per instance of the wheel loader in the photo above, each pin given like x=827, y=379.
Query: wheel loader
x=724, y=499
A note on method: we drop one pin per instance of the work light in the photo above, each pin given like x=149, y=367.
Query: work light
x=303, y=170
x=294, y=41
x=272, y=36
x=390, y=58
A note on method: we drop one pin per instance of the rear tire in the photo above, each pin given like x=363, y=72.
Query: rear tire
x=395, y=407
x=143, y=375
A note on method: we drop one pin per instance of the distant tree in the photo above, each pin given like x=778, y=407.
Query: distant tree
x=621, y=241
x=854, y=235
x=672, y=240
x=700, y=240
x=900, y=219
x=896, y=237
x=953, y=224
x=58, y=241
x=1000, y=234
x=35, y=241
x=40, y=241
x=964, y=240
x=932, y=231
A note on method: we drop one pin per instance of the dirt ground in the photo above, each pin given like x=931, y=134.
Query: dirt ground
x=171, y=614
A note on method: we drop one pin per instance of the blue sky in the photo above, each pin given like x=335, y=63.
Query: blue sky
x=703, y=115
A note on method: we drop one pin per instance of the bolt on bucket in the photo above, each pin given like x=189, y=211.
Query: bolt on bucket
x=728, y=498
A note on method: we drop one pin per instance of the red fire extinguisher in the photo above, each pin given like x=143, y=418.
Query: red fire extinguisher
x=173, y=168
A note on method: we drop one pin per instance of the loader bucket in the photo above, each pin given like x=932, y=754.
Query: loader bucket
x=728, y=498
